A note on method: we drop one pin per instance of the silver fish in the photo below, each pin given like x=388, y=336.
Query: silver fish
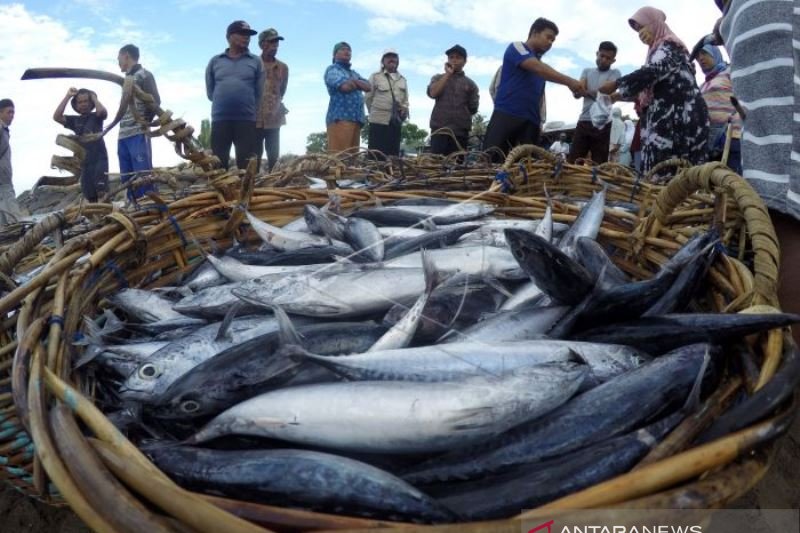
x=482, y=261
x=399, y=417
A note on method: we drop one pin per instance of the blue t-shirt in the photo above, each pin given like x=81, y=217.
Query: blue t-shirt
x=520, y=91
x=234, y=86
x=343, y=106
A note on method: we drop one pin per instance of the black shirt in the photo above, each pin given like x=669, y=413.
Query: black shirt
x=85, y=124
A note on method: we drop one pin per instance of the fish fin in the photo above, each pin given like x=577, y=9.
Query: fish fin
x=693, y=400
x=89, y=355
x=474, y=418
x=429, y=225
x=497, y=285
x=287, y=333
x=223, y=332
x=92, y=333
x=575, y=357
x=433, y=276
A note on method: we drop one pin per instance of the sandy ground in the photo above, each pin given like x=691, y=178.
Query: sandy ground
x=778, y=490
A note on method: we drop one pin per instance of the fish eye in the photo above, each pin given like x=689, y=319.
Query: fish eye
x=190, y=406
x=148, y=371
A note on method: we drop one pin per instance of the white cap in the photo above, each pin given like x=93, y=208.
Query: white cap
x=389, y=51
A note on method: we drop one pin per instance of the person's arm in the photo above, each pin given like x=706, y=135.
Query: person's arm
x=648, y=75
x=370, y=96
x=474, y=99
x=149, y=86
x=285, y=81
x=533, y=64
x=436, y=87
x=100, y=109
x=495, y=83
x=210, y=80
x=58, y=114
x=404, y=105
x=260, y=79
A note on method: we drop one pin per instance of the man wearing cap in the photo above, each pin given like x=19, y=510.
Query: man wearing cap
x=90, y=117
x=457, y=98
x=9, y=208
x=234, y=81
x=516, y=118
x=133, y=146
x=271, y=111
x=345, y=116
x=387, y=105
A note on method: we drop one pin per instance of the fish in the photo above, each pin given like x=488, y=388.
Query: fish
x=254, y=366
x=612, y=408
x=163, y=367
x=687, y=283
x=395, y=417
x=458, y=360
x=204, y=276
x=507, y=326
x=403, y=331
x=302, y=256
x=321, y=224
x=450, y=214
x=284, y=239
x=385, y=216
x=659, y=334
x=457, y=303
x=587, y=224
x=145, y=306
x=309, y=479
x=123, y=359
x=593, y=257
x=429, y=240
x=554, y=272
x=478, y=261
x=365, y=239
x=532, y=485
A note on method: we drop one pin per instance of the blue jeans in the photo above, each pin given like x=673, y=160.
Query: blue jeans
x=135, y=159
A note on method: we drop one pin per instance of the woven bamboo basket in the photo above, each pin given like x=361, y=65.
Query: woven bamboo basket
x=57, y=446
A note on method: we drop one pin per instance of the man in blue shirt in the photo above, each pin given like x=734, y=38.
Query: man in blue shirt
x=234, y=80
x=516, y=119
x=345, y=116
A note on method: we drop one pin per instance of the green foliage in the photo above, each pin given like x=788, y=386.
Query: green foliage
x=412, y=137
x=479, y=125
x=204, y=138
x=317, y=142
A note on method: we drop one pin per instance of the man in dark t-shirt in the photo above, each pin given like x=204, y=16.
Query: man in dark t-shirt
x=91, y=114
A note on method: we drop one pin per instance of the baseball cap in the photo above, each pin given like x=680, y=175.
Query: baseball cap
x=270, y=34
x=240, y=26
x=389, y=51
x=457, y=49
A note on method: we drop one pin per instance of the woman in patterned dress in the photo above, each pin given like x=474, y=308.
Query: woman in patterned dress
x=675, y=123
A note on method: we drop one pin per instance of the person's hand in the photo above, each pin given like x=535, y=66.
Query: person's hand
x=608, y=87
x=577, y=88
x=72, y=91
x=448, y=68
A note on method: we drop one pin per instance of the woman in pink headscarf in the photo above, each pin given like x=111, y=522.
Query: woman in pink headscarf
x=675, y=118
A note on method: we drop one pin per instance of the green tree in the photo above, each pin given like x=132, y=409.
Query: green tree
x=204, y=138
x=317, y=142
x=479, y=125
x=413, y=137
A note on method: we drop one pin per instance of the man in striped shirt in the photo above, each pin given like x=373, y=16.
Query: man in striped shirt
x=762, y=41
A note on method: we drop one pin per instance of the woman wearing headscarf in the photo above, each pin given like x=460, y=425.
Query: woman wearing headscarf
x=345, y=115
x=617, y=137
x=387, y=105
x=675, y=116
x=717, y=91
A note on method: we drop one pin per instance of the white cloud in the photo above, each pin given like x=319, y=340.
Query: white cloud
x=382, y=27
x=33, y=132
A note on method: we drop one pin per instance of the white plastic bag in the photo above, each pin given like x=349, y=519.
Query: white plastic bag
x=600, y=111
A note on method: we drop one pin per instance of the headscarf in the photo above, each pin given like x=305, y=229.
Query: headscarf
x=719, y=62
x=655, y=19
x=629, y=129
x=336, y=48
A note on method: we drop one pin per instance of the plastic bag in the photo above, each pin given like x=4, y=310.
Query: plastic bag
x=600, y=111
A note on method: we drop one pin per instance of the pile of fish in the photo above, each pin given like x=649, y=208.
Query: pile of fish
x=421, y=361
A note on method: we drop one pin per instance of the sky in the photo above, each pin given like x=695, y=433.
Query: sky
x=178, y=37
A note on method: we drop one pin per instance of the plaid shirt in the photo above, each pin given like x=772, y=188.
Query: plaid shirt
x=455, y=105
x=271, y=112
